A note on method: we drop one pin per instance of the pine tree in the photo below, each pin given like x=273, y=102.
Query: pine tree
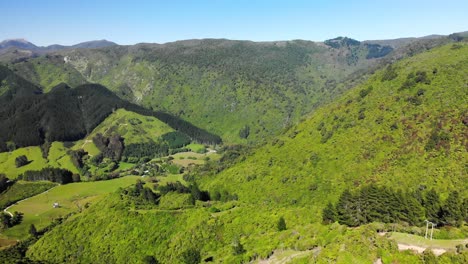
x=281, y=224
x=33, y=230
x=345, y=209
x=415, y=210
x=432, y=206
x=329, y=214
x=452, y=212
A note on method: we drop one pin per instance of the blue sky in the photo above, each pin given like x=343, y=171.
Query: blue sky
x=128, y=22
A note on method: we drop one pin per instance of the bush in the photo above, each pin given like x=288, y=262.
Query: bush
x=191, y=256
x=237, y=247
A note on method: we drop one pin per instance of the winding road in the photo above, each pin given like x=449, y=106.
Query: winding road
x=6, y=209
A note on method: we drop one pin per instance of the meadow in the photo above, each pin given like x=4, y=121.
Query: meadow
x=38, y=210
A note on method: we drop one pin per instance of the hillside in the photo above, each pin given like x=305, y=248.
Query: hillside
x=30, y=118
x=132, y=127
x=240, y=90
x=405, y=128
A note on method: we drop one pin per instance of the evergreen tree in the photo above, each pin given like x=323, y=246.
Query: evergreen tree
x=33, y=230
x=432, y=205
x=3, y=182
x=281, y=224
x=21, y=161
x=452, y=212
x=415, y=211
x=371, y=197
x=345, y=209
x=329, y=214
x=465, y=211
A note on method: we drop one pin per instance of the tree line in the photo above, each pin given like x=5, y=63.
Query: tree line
x=61, y=176
x=382, y=204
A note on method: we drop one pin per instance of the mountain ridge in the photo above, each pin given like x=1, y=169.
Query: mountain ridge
x=31, y=118
x=26, y=45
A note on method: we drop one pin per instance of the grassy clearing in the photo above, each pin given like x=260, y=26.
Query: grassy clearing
x=21, y=190
x=408, y=239
x=125, y=165
x=163, y=180
x=38, y=210
x=134, y=128
x=196, y=147
x=57, y=158
x=187, y=158
x=87, y=145
x=7, y=161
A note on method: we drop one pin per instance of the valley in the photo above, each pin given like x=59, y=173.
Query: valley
x=226, y=151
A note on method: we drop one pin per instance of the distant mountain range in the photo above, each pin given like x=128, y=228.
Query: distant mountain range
x=244, y=91
x=26, y=45
x=93, y=44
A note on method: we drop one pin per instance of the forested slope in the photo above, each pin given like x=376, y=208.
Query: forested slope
x=228, y=87
x=405, y=129
x=30, y=118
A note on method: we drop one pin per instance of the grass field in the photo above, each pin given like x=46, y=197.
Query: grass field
x=163, y=180
x=7, y=161
x=23, y=189
x=187, y=158
x=134, y=128
x=57, y=158
x=38, y=210
x=408, y=239
x=196, y=147
x=87, y=145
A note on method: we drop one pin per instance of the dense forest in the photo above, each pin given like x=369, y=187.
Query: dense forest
x=30, y=118
x=382, y=204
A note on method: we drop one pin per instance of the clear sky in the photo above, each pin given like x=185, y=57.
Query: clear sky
x=66, y=22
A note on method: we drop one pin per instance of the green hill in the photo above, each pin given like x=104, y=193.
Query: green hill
x=134, y=128
x=30, y=118
x=220, y=85
x=405, y=128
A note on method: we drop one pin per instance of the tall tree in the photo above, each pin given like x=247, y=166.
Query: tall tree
x=452, y=212
x=33, y=230
x=281, y=224
x=432, y=206
x=345, y=209
x=329, y=214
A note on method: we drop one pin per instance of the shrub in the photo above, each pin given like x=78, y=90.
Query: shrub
x=191, y=256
